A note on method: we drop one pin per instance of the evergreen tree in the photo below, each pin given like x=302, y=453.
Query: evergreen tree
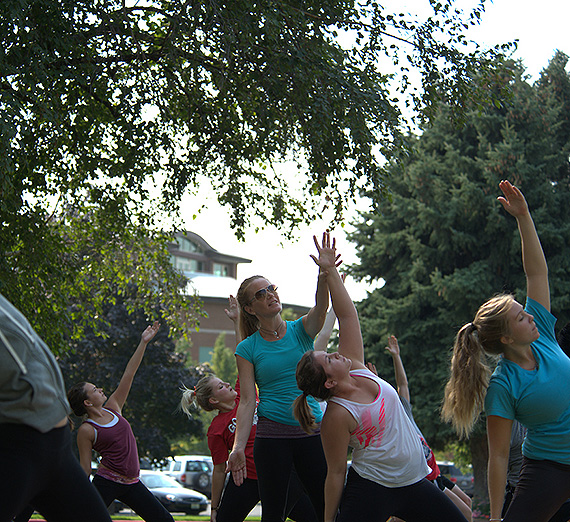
x=223, y=361
x=444, y=245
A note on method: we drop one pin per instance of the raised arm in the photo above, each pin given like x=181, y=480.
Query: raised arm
x=350, y=337
x=315, y=319
x=245, y=411
x=232, y=311
x=534, y=262
x=393, y=349
x=118, y=398
x=322, y=340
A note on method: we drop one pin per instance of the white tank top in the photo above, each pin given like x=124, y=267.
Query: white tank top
x=387, y=449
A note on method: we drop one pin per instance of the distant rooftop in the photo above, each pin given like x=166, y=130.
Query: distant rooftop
x=209, y=285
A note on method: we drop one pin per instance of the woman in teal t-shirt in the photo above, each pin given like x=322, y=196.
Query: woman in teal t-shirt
x=530, y=384
x=268, y=357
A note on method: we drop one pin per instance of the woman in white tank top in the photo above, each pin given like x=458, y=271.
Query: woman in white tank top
x=388, y=470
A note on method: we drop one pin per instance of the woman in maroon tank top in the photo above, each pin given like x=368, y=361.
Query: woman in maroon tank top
x=106, y=431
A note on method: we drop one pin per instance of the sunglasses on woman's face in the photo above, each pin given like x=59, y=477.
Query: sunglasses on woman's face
x=262, y=294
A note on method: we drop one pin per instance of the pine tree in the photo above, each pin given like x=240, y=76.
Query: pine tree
x=223, y=361
x=443, y=244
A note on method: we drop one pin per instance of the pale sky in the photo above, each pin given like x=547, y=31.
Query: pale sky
x=540, y=27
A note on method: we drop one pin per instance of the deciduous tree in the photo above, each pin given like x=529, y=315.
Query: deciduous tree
x=152, y=405
x=123, y=107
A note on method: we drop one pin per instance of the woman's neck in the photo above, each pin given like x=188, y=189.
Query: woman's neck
x=273, y=329
x=98, y=413
x=225, y=407
x=522, y=355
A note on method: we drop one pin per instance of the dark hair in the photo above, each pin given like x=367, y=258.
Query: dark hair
x=564, y=339
x=76, y=397
x=311, y=378
x=248, y=324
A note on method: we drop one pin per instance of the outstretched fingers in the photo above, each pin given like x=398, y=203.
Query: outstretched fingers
x=233, y=310
x=327, y=256
x=513, y=200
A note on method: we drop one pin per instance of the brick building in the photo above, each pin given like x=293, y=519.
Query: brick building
x=213, y=276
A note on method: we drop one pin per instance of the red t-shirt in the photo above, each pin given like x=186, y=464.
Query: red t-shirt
x=221, y=435
x=431, y=463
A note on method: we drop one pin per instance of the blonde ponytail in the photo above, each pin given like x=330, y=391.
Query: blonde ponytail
x=464, y=395
x=197, y=397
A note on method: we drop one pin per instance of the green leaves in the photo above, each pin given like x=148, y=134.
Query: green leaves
x=111, y=112
x=233, y=87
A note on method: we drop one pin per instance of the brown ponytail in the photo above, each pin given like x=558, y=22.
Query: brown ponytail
x=76, y=397
x=311, y=380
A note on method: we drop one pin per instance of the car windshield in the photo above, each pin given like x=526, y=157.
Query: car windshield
x=159, y=481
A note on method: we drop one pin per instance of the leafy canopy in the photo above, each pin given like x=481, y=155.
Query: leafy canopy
x=112, y=111
x=167, y=96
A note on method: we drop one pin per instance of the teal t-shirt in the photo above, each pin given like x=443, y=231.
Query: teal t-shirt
x=539, y=399
x=274, y=364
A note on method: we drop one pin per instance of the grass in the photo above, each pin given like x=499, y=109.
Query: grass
x=192, y=518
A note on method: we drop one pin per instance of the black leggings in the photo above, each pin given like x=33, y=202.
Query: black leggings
x=274, y=461
x=136, y=496
x=420, y=502
x=542, y=489
x=40, y=469
x=238, y=501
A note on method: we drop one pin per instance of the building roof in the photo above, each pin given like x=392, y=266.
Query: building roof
x=207, y=250
x=210, y=285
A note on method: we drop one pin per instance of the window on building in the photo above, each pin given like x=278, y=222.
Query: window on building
x=186, y=245
x=221, y=270
x=187, y=265
x=205, y=354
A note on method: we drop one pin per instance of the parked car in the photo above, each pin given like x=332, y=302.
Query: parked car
x=172, y=495
x=453, y=473
x=192, y=471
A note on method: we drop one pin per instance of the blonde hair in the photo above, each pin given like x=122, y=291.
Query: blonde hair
x=199, y=396
x=311, y=378
x=248, y=324
x=465, y=391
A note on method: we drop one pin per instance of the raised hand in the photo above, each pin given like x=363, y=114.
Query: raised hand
x=328, y=257
x=150, y=332
x=232, y=311
x=513, y=201
x=393, y=347
x=372, y=368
